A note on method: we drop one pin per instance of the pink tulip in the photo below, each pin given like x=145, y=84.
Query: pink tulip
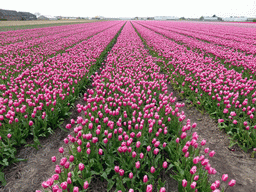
x=212, y=153
x=137, y=164
x=156, y=150
x=121, y=172
x=81, y=166
x=30, y=123
x=61, y=150
x=165, y=164
x=45, y=185
x=86, y=185
x=224, y=177
x=184, y=182
x=145, y=179
x=183, y=135
x=232, y=182
x=64, y=185
x=152, y=170
x=193, y=185
x=100, y=151
x=196, y=177
x=116, y=169
x=149, y=188
x=203, y=142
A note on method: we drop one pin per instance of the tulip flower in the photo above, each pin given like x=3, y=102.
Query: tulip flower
x=232, y=182
x=184, y=182
x=145, y=179
x=149, y=188
x=224, y=177
x=86, y=185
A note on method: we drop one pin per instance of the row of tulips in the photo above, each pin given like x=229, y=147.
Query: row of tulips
x=231, y=58
x=18, y=57
x=11, y=37
x=50, y=37
x=210, y=86
x=237, y=32
x=130, y=130
x=233, y=42
x=38, y=100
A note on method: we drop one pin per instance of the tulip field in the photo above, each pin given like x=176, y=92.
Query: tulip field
x=131, y=130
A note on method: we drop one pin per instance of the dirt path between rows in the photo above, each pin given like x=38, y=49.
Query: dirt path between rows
x=234, y=162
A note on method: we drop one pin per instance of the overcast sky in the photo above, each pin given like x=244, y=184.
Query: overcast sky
x=133, y=8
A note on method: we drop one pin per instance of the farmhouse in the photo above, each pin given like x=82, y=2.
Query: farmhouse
x=27, y=16
x=9, y=15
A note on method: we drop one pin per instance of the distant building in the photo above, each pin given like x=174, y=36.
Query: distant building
x=236, y=19
x=166, y=18
x=150, y=18
x=9, y=15
x=46, y=17
x=27, y=16
x=142, y=18
x=69, y=17
x=206, y=18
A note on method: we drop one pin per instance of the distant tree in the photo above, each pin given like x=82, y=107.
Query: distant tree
x=182, y=18
x=201, y=18
x=214, y=15
x=37, y=14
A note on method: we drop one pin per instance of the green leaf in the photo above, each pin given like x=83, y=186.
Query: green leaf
x=170, y=166
x=95, y=173
x=2, y=179
x=126, y=179
x=104, y=175
x=110, y=184
x=157, y=158
x=5, y=162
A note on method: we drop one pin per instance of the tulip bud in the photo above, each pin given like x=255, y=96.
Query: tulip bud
x=232, y=183
x=145, y=179
x=193, y=185
x=149, y=188
x=64, y=185
x=184, y=182
x=86, y=185
x=224, y=177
